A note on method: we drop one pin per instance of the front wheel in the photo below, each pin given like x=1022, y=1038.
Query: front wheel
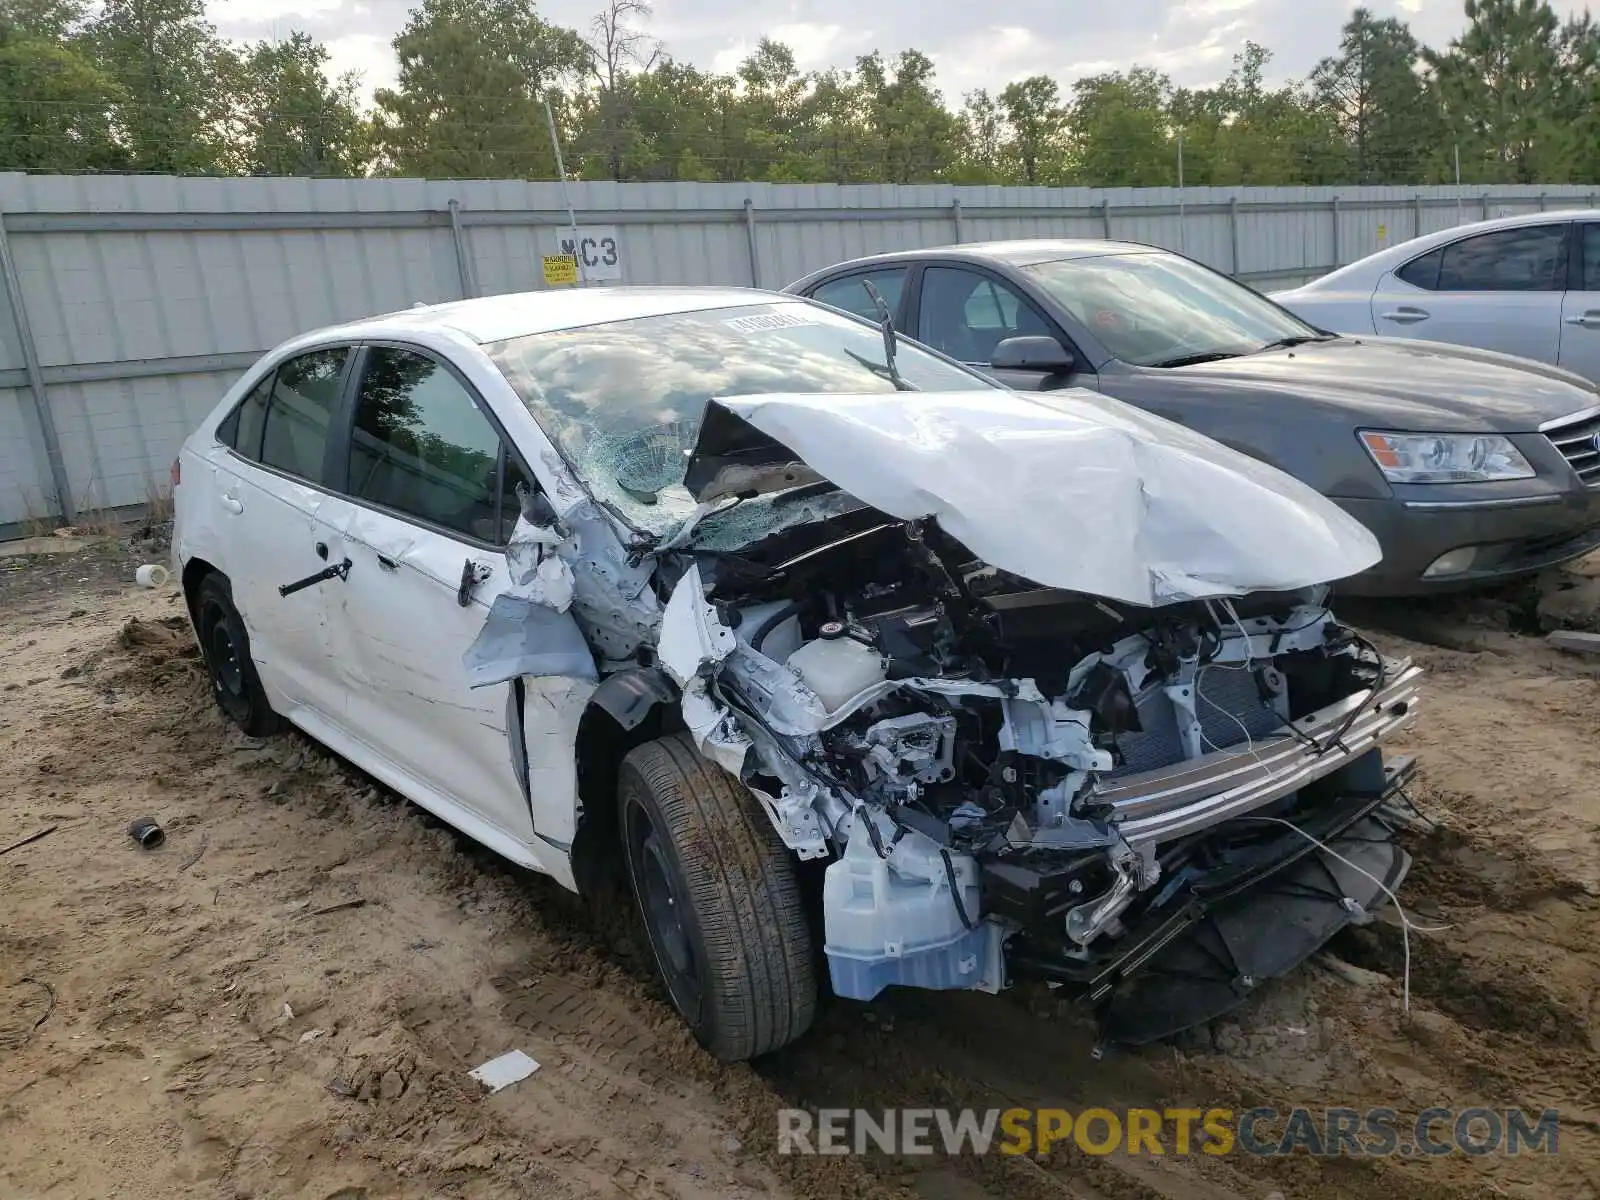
x=720, y=899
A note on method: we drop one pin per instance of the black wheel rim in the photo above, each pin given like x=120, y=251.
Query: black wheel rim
x=661, y=904
x=227, y=664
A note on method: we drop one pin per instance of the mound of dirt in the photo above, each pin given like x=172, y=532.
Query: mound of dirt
x=155, y=655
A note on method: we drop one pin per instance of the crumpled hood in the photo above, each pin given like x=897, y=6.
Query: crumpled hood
x=1069, y=489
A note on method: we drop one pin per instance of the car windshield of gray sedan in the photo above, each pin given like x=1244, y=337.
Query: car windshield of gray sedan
x=623, y=401
x=1159, y=310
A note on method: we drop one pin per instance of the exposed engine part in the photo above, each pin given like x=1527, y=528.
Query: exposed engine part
x=899, y=756
x=1088, y=921
x=837, y=668
x=988, y=760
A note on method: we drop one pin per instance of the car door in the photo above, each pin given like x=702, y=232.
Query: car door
x=846, y=292
x=966, y=313
x=429, y=501
x=1500, y=290
x=1580, y=308
x=267, y=486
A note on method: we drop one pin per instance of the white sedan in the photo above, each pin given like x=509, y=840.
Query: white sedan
x=1526, y=285
x=783, y=619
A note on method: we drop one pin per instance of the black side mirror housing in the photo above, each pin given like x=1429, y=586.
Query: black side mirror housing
x=1036, y=352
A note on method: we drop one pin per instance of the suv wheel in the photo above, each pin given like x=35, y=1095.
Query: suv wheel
x=720, y=899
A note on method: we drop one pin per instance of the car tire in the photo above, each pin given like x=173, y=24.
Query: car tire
x=225, y=645
x=720, y=899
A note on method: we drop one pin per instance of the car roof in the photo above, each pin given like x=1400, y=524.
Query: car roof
x=1017, y=253
x=1388, y=259
x=516, y=314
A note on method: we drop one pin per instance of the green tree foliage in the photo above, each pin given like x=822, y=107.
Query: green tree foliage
x=1385, y=112
x=1123, y=130
x=473, y=79
x=1501, y=89
x=1033, y=113
x=173, y=74
x=146, y=85
x=56, y=104
x=291, y=119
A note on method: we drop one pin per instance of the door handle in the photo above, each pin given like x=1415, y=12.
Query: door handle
x=1405, y=315
x=387, y=563
x=231, y=503
x=1589, y=320
x=339, y=570
x=472, y=574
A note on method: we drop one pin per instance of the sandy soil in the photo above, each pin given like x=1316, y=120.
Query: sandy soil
x=284, y=998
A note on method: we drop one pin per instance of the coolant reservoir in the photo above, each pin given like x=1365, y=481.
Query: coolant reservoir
x=836, y=667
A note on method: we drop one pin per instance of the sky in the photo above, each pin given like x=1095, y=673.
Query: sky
x=972, y=45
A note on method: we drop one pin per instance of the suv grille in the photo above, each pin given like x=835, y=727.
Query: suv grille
x=1577, y=445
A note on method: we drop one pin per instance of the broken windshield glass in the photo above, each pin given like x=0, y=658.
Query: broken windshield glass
x=623, y=401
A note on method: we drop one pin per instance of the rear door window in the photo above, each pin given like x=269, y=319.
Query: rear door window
x=283, y=422
x=294, y=433
x=242, y=428
x=1591, y=257
x=422, y=448
x=1423, y=272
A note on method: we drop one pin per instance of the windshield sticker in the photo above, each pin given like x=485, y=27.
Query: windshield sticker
x=762, y=322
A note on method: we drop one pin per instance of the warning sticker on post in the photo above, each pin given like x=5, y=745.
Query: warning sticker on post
x=761, y=322
x=560, y=268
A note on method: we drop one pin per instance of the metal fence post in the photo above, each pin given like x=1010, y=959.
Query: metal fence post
x=1338, y=255
x=1544, y=205
x=464, y=265
x=1105, y=219
x=750, y=236
x=1233, y=232
x=955, y=215
x=1486, y=206
x=1416, y=215
x=30, y=362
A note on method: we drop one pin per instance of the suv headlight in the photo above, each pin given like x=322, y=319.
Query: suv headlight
x=1445, y=457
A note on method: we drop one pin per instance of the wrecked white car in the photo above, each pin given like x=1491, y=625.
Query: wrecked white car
x=820, y=637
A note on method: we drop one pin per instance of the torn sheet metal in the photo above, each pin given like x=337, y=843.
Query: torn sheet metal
x=522, y=637
x=550, y=715
x=537, y=573
x=692, y=635
x=1118, y=503
x=630, y=694
x=715, y=732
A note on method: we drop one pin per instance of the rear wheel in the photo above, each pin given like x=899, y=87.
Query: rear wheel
x=720, y=898
x=226, y=646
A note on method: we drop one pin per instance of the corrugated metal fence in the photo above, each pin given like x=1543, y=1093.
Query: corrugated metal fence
x=130, y=304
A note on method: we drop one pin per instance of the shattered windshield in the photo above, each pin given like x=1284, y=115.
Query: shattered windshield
x=623, y=401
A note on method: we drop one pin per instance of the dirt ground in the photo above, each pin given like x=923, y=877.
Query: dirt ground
x=285, y=997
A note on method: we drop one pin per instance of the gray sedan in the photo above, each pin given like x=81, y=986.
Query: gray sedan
x=1469, y=466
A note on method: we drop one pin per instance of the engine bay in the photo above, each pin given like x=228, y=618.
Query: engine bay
x=988, y=762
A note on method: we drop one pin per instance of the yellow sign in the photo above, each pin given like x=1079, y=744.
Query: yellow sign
x=1383, y=234
x=560, y=268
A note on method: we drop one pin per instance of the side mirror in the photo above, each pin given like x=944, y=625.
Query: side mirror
x=1035, y=352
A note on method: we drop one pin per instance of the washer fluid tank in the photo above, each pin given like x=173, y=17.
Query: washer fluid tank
x=837, y=667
